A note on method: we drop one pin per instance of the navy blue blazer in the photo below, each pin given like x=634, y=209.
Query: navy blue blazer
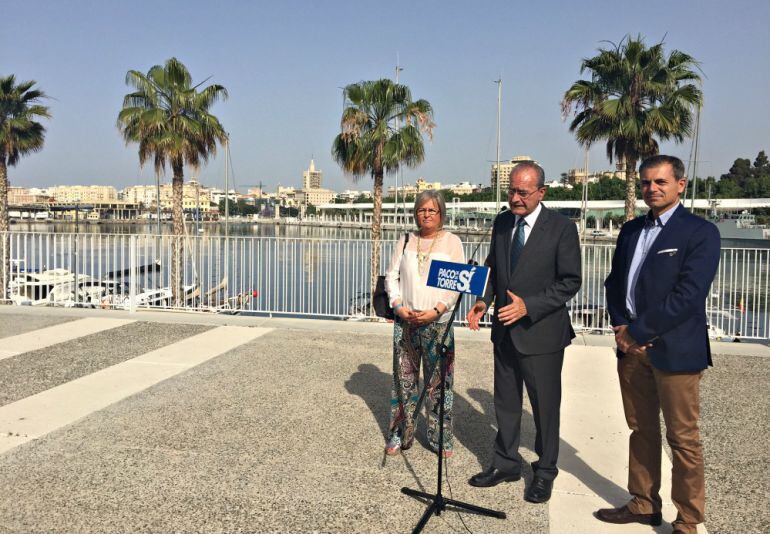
x=671, y=290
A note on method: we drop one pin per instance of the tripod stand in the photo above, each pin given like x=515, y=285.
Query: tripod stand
x=438, y=502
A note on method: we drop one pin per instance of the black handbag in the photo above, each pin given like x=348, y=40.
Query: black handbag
x=380, y=300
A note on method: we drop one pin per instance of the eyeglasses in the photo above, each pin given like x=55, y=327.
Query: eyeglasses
x=522, y=194
x=426, y=211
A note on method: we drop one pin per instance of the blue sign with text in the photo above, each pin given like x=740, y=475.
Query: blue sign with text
x=459, y=277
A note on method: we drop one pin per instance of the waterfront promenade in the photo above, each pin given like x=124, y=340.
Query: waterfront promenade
x=184, y=422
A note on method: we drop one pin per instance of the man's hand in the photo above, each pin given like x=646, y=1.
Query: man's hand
x=623, y=339
x=510, y=313
x=637, y=350
x=475, y=314
x=628, y=344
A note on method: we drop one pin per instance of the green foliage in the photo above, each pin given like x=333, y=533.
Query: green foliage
x=169, y=118
x=20, y=109
x=382, y=130
x=239, y=208
x=745, y=180
x=370, y=141
x=636, y=96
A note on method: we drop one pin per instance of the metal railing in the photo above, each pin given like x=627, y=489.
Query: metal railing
x=306, y=277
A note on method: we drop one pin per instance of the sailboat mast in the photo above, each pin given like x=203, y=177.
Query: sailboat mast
x=157, y=199
x=398, y=173
x=584, y=196
x=227, y=187
x=695, y=160
x=499, y=83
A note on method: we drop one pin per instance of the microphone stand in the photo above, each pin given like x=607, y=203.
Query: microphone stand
x=438, y=502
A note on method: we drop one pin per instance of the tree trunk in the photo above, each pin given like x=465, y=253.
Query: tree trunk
x=376, y=234
x=177, y=217
x=5, y=237
x=630, y=187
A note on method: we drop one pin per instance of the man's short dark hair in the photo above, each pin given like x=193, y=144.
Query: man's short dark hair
x=661, y=159
x=535, y=167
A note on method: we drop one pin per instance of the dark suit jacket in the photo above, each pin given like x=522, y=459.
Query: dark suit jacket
x=671, y=290
x=547, y=276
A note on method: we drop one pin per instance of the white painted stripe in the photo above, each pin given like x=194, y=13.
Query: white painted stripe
x=37, y=415
x=593, y=457
x=51, y=335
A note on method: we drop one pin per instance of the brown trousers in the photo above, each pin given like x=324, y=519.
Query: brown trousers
x=646, y=391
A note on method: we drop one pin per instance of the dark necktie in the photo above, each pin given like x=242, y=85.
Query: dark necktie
x=518, y=242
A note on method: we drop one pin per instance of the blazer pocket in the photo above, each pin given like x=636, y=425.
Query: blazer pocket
x=668, y=251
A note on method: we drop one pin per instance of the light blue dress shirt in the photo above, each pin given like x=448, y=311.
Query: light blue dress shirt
x=652, y=228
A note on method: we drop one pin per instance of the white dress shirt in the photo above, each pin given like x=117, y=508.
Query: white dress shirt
x=530, y=222
x=647, y=238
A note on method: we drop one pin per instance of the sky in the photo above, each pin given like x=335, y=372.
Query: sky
x=284, y=64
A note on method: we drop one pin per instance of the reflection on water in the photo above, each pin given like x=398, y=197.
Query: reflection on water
x=323, y=271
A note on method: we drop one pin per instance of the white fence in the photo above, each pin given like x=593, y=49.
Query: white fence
x=309, y=277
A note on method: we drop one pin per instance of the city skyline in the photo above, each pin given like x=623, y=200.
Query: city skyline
x=284, y=66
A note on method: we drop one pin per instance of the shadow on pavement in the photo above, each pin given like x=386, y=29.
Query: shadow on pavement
x=373, y=386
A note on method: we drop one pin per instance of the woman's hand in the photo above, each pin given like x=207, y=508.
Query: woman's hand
x=405, y=313
x=425, y=317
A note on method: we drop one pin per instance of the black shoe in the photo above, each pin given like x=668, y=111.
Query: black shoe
x=539, y=491
x=492, y=477
x=622, y=516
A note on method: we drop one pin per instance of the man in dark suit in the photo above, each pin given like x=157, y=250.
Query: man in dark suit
x=534, y=259
x=662, y=269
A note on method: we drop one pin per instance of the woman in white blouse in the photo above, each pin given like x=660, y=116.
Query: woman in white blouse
x=421, y=316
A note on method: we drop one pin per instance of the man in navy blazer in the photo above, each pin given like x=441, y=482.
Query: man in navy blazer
x=662, y=269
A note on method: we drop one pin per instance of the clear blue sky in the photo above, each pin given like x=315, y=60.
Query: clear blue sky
x=284, y=63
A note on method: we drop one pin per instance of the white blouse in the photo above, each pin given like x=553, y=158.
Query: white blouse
x=405, y=282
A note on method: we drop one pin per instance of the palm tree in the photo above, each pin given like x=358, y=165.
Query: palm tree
x=636, y=97
x=20, y=134
x=169, y=118
x=381, y=130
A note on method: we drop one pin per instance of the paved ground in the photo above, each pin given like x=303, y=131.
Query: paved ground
x=283, y=432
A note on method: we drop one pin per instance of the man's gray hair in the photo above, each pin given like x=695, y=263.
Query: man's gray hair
x=425, y=196
x=535, y=167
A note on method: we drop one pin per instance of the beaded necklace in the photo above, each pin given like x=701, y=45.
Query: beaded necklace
x=423, y=257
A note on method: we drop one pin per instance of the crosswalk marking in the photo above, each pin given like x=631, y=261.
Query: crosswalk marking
x=52, y=335
x=39, y=414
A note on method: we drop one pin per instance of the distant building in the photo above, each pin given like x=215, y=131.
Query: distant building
x=286, y=196
x=463, y=188
x=351, y=195
x=555, y=184
x=314, y=196
x=256, y=192
x=576, y=176
x=140, y=194
x=218, y=195
x=503, y=173
x=83, y=193
x=311, y=178
x=20, y=196
x=194, y=196
x=421, y=185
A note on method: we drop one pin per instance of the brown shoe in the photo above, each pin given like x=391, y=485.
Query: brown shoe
x=623, y=515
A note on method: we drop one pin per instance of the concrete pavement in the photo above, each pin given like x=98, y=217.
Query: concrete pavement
x=240, y=424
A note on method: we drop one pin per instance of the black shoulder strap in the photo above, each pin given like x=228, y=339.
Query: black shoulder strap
x=406, y=240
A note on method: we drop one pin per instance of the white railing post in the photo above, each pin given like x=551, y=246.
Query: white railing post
x=132, y=274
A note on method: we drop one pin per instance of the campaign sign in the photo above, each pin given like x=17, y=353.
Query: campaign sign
x=460, y=277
